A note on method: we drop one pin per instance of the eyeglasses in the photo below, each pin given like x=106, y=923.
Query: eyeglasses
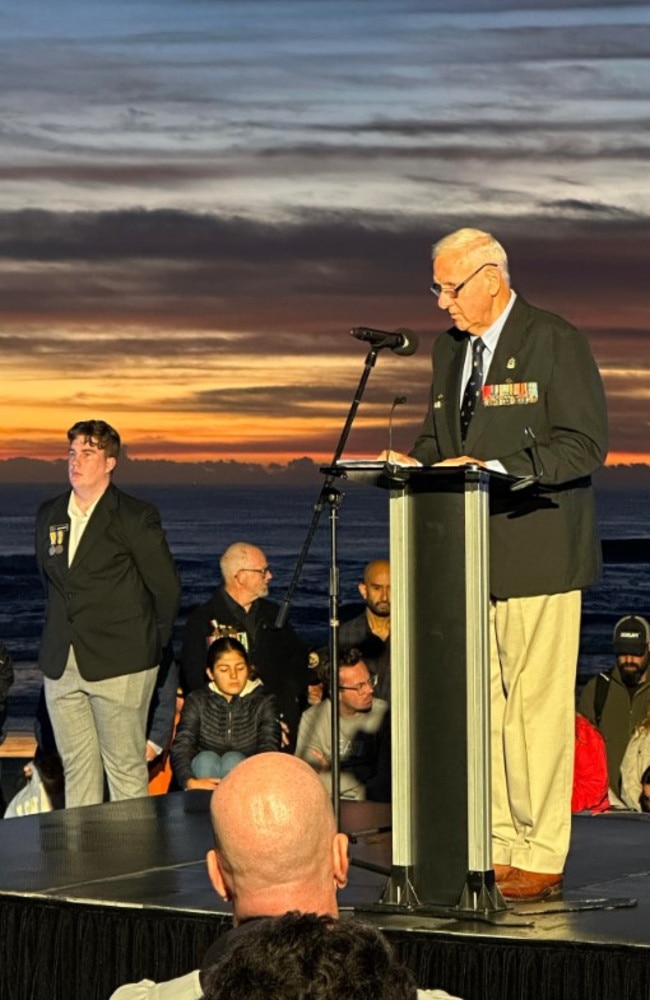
x=265, y=571
x=454, y=291
x=370, y=682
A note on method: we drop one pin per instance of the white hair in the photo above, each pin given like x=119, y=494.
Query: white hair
x=482, y=247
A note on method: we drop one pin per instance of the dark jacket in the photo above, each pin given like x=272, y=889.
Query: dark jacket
x=622, y=710
x=542, y=539
x=375, y=651
x=248, y=723
x=6, y=680
x=278, y=655
x=117, y=602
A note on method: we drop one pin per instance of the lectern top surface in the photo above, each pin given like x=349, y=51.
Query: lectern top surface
x=390, y=475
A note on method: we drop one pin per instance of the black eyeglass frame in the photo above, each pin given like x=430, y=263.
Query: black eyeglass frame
x=371, y=682
x=453, y=292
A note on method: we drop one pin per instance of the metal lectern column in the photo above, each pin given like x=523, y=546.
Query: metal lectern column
x=440, y=691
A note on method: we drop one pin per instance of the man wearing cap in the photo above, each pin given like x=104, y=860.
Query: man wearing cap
x=617, y=700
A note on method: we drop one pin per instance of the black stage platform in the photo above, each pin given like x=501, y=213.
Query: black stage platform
x=91, y=898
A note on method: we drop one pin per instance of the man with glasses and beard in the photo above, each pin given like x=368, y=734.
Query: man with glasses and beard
x=617, y=701
x=240, y=608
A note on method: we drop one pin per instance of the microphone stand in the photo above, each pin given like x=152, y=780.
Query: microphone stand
x=332, y=497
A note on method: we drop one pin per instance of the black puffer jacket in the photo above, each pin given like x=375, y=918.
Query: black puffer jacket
x=248, y=723
x=278, y=654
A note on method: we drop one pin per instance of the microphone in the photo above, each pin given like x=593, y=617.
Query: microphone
x=396, y=402
x=399, y=341
x=538, y=469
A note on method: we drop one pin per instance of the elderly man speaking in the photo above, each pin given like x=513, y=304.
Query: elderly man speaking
x=516, y=390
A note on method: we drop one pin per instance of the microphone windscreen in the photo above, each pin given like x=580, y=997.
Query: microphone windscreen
x=410, y=344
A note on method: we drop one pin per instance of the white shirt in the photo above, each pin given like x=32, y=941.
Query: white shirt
x=78, y=523
x=189, y=988
x=490, y=340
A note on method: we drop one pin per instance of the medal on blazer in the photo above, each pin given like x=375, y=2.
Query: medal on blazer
x=221, y=631
x=510, y=394
x=57, y=534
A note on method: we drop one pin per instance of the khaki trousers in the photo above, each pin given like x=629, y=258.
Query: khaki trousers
x=533, y=657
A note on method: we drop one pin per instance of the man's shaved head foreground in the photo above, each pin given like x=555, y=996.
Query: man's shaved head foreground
x=277, y=848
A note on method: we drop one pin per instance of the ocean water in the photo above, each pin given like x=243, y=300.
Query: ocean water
x=201, y=521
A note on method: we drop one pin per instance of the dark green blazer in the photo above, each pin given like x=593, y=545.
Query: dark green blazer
x=543, y=539
x=117, y=602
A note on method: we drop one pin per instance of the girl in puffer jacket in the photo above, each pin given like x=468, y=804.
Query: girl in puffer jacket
x=231, y=718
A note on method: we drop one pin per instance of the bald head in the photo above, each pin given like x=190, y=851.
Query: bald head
x=277, y=848
x=245, y=573
x=378, y=567
x=236, y=557
x=375, y=588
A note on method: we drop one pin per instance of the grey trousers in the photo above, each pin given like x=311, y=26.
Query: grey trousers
x=100, y=726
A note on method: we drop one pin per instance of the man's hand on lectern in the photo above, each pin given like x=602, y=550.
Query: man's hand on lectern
x=397, y=458
x=461, y=460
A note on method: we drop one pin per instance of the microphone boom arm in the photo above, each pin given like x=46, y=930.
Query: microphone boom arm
x=369, y=363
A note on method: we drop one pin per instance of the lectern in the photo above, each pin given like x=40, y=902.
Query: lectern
x=440, y=697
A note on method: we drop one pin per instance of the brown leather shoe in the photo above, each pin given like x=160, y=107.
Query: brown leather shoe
x=531, y=887
x=502, y=872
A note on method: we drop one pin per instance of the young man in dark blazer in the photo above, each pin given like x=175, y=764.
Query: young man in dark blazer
x=112, y=596
x=516, y=390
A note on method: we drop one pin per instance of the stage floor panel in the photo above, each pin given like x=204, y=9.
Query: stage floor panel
x=147, y=856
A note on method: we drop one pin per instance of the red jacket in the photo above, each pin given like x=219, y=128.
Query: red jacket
x=590, y=781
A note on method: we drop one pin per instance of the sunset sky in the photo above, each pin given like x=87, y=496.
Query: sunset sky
x=198, y=199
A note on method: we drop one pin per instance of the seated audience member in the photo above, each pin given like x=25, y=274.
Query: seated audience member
x=635, y=767
x=645, y=791
x=369, y=632
x=161, y=776
x=240, y=607
x=364, y=733
x=43, y=789
x=617, y=701
x=303, y=955
x=229, y=719
x=162, y=708
x=277, y=850
x=590, y=778
x=6, y=680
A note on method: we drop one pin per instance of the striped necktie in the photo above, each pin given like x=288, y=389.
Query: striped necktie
x=473, y=387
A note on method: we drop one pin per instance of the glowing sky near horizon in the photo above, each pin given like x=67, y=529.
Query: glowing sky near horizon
x=198, y=199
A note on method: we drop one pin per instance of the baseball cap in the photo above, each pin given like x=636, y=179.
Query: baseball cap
x=631, y=636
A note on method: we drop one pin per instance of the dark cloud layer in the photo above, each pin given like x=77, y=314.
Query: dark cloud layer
x=167, y=266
